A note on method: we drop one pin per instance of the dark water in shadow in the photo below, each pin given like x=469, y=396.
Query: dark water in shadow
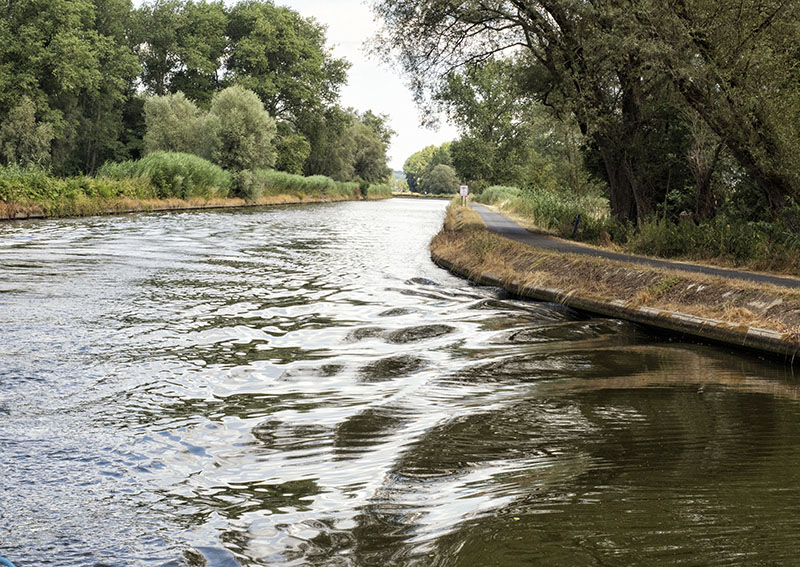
x=302, y=386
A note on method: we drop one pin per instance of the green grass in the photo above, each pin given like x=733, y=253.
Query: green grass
x=254, y=184
x=172, y=174
x=65, y=196
x=497, y=194
x=379, y=192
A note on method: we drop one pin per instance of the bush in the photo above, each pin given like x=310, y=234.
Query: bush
x=557, y=211
x=439, y=180
x=717, y=238
x=34, y=184
x=379, y=191
x=254, y=184
x=173, y=175
x=242, y=129
x=498, y=194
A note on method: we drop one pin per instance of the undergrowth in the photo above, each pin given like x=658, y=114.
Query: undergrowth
x=720, y=240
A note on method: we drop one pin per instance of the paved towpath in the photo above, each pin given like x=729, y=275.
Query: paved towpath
x=504, y=226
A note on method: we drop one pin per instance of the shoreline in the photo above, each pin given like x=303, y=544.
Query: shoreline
x=91, y=207
x=758, y=318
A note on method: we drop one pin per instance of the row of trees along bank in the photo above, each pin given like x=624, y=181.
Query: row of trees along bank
x=248, y=87
x=679, y=113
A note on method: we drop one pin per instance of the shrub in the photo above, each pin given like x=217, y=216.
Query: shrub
x=174, y=175
x=440, y=179
x=175, y=124
x=254, y=184
x=242, y=129
x=557, y=211
x=498, y=194
x=379, y=191
x=34, y=184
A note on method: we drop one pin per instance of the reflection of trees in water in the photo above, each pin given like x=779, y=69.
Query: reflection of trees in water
x=689, y=459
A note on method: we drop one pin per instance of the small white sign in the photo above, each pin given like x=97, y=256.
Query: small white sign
x=463, y=190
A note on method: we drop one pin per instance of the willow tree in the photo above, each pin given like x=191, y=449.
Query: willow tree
x=736, y=64
x=627, y=70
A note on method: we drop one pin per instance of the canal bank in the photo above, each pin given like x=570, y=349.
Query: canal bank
x=752, y=315
x=92, y=207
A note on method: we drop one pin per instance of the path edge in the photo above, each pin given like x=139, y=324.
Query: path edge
x=740, y=336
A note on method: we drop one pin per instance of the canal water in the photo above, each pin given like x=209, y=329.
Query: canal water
x=302, y=386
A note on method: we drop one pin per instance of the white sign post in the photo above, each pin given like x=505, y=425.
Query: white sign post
x=463, y=190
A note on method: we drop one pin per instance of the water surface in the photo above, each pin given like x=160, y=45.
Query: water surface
x=302, y=386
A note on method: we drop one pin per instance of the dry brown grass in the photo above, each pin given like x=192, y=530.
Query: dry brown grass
x=465, y=242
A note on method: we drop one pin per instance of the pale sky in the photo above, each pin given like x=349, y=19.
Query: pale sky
x=371, y=85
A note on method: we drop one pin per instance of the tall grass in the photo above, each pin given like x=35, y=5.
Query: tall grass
x=498, y=194
x=254, y=184
x=725, y=239
x=379, y=192
x=553, y=210
x=757, y=244
x=173, y=174
x=37, y=185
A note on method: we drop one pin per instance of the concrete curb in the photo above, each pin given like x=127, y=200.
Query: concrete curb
x=741, y=336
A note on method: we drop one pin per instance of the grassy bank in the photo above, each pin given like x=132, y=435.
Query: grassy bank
x=421, y=196
x=723, y=240
x=164, y=181
x=465, y=242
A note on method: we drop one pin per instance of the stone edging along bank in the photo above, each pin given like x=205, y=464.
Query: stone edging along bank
x=742, y=336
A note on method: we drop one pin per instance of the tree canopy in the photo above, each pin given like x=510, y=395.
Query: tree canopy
x=86, y=81
x=660, y=91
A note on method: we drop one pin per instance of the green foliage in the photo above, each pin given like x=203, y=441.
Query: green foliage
x=369, y=156
x=441, y=179
x=718, y=238
x=282, y=57
x=291, y=148
x=174, y=175
x=422, y=162
x=497, y=194
x=379, y=191
x=34, y=184
x=175, y=124
x=635, y=79
x=73, y=61
x=557, y=211
x=254, y=184
x=332, y=149
x=242, y=129
x=23, y=140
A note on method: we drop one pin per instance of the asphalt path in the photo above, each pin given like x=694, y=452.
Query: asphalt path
x=504, y=226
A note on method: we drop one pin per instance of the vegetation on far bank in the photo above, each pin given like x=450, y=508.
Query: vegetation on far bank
x=164, y=180
x=465, y=242
x=182, y=99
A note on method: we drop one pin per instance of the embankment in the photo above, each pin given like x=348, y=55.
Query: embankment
x=744, y=315
x=95, y=206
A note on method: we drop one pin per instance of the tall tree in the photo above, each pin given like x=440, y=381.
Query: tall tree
x=282, y=57
x=626, y=70
x=243, y=130
x=23, y=139
x=735, y=64
x=73, y=59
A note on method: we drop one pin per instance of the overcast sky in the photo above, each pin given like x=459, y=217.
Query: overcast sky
x=371, y=85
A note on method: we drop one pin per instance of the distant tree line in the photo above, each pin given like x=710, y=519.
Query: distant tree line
x=84, y=82
x=672, y=106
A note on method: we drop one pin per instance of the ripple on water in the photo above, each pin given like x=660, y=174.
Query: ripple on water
x=245, y=388
x=392, y=367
